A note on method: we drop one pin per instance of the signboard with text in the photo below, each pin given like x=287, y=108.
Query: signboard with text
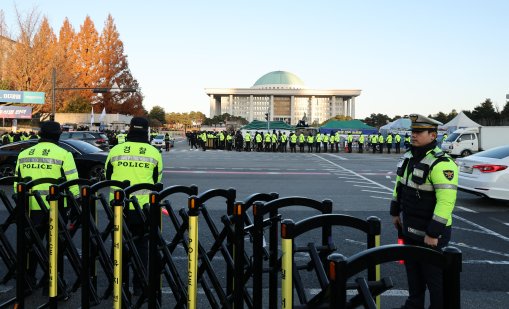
x=16, y=112
x=26, y=97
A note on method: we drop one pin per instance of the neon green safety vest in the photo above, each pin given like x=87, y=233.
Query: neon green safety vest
x=136, y=162
x=46, y=160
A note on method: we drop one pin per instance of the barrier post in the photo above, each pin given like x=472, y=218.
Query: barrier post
x=85, y=244
x=375, y=229
x=118, y=209
x=287, y=263
x=154, y=261
x=238, y=256
x=452, y=288
x=257, y=255
x=22, y=206
x=192, y=254
x=337, y=278
x=53, y=245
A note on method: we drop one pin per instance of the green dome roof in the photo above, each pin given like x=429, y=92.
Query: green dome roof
x=278, y=79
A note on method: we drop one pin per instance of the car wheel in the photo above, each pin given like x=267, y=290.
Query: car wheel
x=96, y=172
x=466, y=153
x=7, y=170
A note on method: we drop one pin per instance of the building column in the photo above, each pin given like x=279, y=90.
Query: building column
x=250, y=118
x=333, y=110
x=292, y=110
x=311, y=110
x=212, y=102
x=352, y=109
x=341, y=105
x=347, y=107
x=231, y=104
x=271, y=108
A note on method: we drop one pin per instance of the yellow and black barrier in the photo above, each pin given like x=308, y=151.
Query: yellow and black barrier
x=260, y=210
x=192, y=254
x=290, y=276
x=341, y=269
x=118, y=209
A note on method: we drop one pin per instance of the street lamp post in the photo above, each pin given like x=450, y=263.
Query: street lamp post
x=115, y=88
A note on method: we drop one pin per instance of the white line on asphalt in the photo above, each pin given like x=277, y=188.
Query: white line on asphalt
x=393, y=181
x=465, y=209
x=460, y=244
x=388, y=177
x=335, y=156
x=357, y=174
x=352, y=178
x=361, y=186
x=493, y=233
x=353, y=181
x=470, y=230
x=376, y=192
x=383, y=198
x=485, y=262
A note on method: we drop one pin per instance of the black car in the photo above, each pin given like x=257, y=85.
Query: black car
x=89, y=159
x=97, y=139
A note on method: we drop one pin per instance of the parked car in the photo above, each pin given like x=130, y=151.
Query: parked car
x=486, y=173
x=89, y=159
x=97, y=139
x=158, y=141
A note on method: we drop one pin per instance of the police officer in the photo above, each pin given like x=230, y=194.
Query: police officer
x=422, y=205
x=361, y=143
x=397, y=143
x=349, y=141
x=46, y=159
x=139, y=162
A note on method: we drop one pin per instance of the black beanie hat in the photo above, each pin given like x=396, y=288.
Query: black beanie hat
x=138, y=124
x=50, y=130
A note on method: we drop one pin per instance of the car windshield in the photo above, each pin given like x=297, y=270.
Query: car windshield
x=160, y=136
x=452, y=137
x=82, y=146
x=495, y=153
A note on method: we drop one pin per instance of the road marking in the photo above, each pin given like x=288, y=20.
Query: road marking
x=354, y=181
x=470, y=230
x=351, y=178
x=383, y=198
x=357, y=174
x=376, y=192
x=486, y=262
x=487, y=230
x=335, y=156
x=460, y=244
x=466, y=209
x=388, y=177
x=243, y=173
x=361, y=186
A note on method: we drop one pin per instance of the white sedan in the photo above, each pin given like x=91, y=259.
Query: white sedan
x=486, y=173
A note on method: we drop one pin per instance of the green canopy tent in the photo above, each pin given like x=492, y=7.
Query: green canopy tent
x=262, y=125
x=348, y=126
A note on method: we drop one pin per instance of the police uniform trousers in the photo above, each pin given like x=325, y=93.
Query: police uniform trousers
x=423, y=275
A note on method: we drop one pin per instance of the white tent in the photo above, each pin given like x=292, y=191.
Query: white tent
x=401, y=126
x=460, y=121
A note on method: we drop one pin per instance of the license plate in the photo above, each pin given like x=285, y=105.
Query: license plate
x=466, y=169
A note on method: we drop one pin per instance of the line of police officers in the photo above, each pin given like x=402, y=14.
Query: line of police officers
x=421, y=208
x=278, y=142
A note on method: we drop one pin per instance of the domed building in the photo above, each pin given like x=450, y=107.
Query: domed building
x=285, y=97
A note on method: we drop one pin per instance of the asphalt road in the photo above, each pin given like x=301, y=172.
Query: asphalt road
x=359, y=185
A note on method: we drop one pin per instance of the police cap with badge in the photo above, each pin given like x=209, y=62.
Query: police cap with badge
x=422, y=123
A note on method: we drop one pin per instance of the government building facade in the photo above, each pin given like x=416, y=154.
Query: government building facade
x=284, y=97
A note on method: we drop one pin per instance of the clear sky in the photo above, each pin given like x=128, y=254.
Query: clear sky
x=406, y=56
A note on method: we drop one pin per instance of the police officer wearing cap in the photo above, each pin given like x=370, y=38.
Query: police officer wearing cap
x=422, y=205
x=139, y=162
x=46, y=159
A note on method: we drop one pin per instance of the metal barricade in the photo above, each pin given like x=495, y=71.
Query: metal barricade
x=290, y=271
x=271, y=208
x=342, y=268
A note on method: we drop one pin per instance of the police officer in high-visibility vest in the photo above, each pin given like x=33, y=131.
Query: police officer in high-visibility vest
x=247, y=140
x=318, y=142
x=293, y=142
x=397, y=140
x=388, y=142
x=284, y=142
x=301, y=142
x=380, y=143
x=422, y=205
x=349, y=141
x=139, y=162
x=361, y=143
x=310, y=141
x=374, y=142
x=46, y=159
x=121, y=137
